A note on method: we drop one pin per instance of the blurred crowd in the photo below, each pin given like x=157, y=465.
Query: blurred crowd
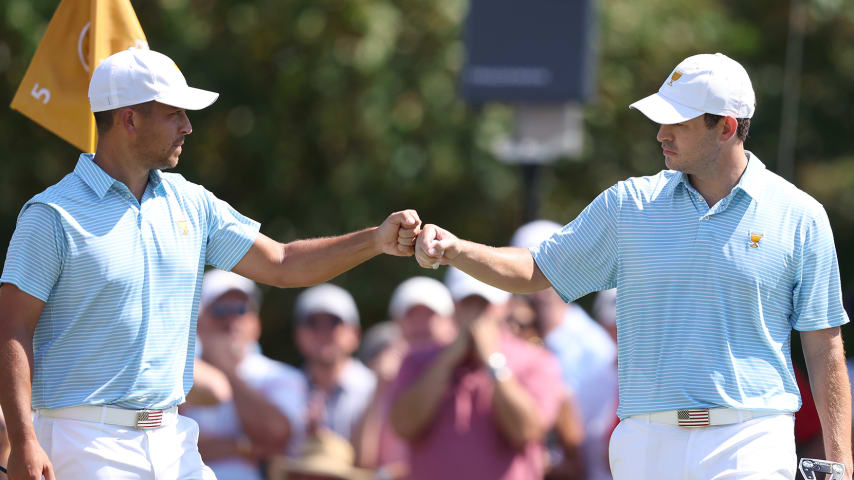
x=463, y=381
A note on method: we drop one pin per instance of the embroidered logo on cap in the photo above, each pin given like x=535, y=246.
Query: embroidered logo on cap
x=676, y=76
x=754, y=239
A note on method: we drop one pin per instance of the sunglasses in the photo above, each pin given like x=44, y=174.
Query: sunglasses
x=321, y=322
x=229, y=309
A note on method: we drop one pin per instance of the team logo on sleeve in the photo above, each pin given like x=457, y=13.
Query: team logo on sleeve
x=754, y=239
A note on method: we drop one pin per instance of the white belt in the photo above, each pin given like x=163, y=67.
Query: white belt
x=123, y=417
x=702, y=417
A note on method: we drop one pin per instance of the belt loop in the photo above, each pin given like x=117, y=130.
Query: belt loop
x=103, y=414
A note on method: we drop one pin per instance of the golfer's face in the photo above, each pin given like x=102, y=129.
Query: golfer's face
x=161, y=135
x=688, y=146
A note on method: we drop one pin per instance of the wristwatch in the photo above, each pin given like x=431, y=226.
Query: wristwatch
x=497, y=366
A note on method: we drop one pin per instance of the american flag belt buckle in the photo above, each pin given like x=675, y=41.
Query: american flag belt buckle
x=149, y=419
x=693, y=417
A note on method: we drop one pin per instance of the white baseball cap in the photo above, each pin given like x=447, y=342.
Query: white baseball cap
x=421, y=291
x=701, y=84
x=534, y=233
x=135, y=76
x=216, y=283
x=463, y=285
x=327, y=298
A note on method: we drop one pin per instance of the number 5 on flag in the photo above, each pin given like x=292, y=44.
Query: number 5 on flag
x=54, y=90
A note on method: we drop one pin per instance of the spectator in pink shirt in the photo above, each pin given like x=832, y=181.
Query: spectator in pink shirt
x=479, y=407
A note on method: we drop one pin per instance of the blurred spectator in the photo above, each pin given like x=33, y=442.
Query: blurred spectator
x=565, y=441
x=325, y=455
x=421, y=309
x=479, y=407
x=4, y=442
x=377, y=446
x=268, y=397
x=587, y=357
x=605, y=311
x=808, y=439
x=327, y=334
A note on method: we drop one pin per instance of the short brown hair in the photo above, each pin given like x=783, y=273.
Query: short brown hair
x=741, y=130
x=104, y=119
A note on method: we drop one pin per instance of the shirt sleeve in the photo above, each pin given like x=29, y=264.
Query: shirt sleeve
x=36, y=251
x=583, y=256
x=230, y=234
x=817, y=296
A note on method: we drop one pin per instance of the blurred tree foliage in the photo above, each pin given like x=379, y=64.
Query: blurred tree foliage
x=335, y=112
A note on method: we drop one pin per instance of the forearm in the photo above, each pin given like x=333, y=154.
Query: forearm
x=366, y=438
x=210, y=385
x=516, y=414
x=262, y=422
x=417, y=406
x=509, y=268
x=303, y=263
x=15, y=358
x=830, y=387
x=217, y=448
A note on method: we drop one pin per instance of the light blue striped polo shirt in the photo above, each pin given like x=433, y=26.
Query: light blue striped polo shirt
x=704, y=317
x=121, y=282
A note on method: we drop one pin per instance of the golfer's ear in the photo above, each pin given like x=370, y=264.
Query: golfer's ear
x=127, y=119
x=730, y=125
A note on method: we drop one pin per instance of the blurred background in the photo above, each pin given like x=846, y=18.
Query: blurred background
x=334, y=113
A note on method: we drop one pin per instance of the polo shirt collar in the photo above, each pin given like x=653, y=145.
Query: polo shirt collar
x=92, y=175
x=751, y=181
x=99, y=181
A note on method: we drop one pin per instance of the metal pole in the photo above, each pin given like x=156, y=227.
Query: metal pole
x=531, y=176
x=791, y=90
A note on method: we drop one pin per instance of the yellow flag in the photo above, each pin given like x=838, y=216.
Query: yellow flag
x=54, y=91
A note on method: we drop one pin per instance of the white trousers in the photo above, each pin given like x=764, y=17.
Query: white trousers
x=82, y=450
x=759, y=449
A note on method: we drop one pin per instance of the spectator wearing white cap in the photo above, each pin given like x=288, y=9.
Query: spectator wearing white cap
x=266, y=413
x=421, y=309
x=587, y=357
x=100, y=290
x=715, y=261
x=326, y=323
x=479, y=407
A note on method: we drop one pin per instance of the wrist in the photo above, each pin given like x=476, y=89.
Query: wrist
x=376, y=240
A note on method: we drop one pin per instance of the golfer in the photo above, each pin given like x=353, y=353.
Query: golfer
x=715, y=261
x=100, y=289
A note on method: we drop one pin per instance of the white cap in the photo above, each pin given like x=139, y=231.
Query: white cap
x=327, y=298
x=216, y=283
x=421, y=291
x=701, y=84
x=534, y=233
x=135, y=76
x=463, y=285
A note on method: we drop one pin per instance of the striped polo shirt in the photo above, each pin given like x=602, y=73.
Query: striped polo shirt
x=706, y=297
x=120, y=280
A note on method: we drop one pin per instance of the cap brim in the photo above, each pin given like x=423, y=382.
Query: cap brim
x=666, y=112
x=188, y=98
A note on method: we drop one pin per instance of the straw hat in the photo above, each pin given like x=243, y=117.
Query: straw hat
x=324, y=453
